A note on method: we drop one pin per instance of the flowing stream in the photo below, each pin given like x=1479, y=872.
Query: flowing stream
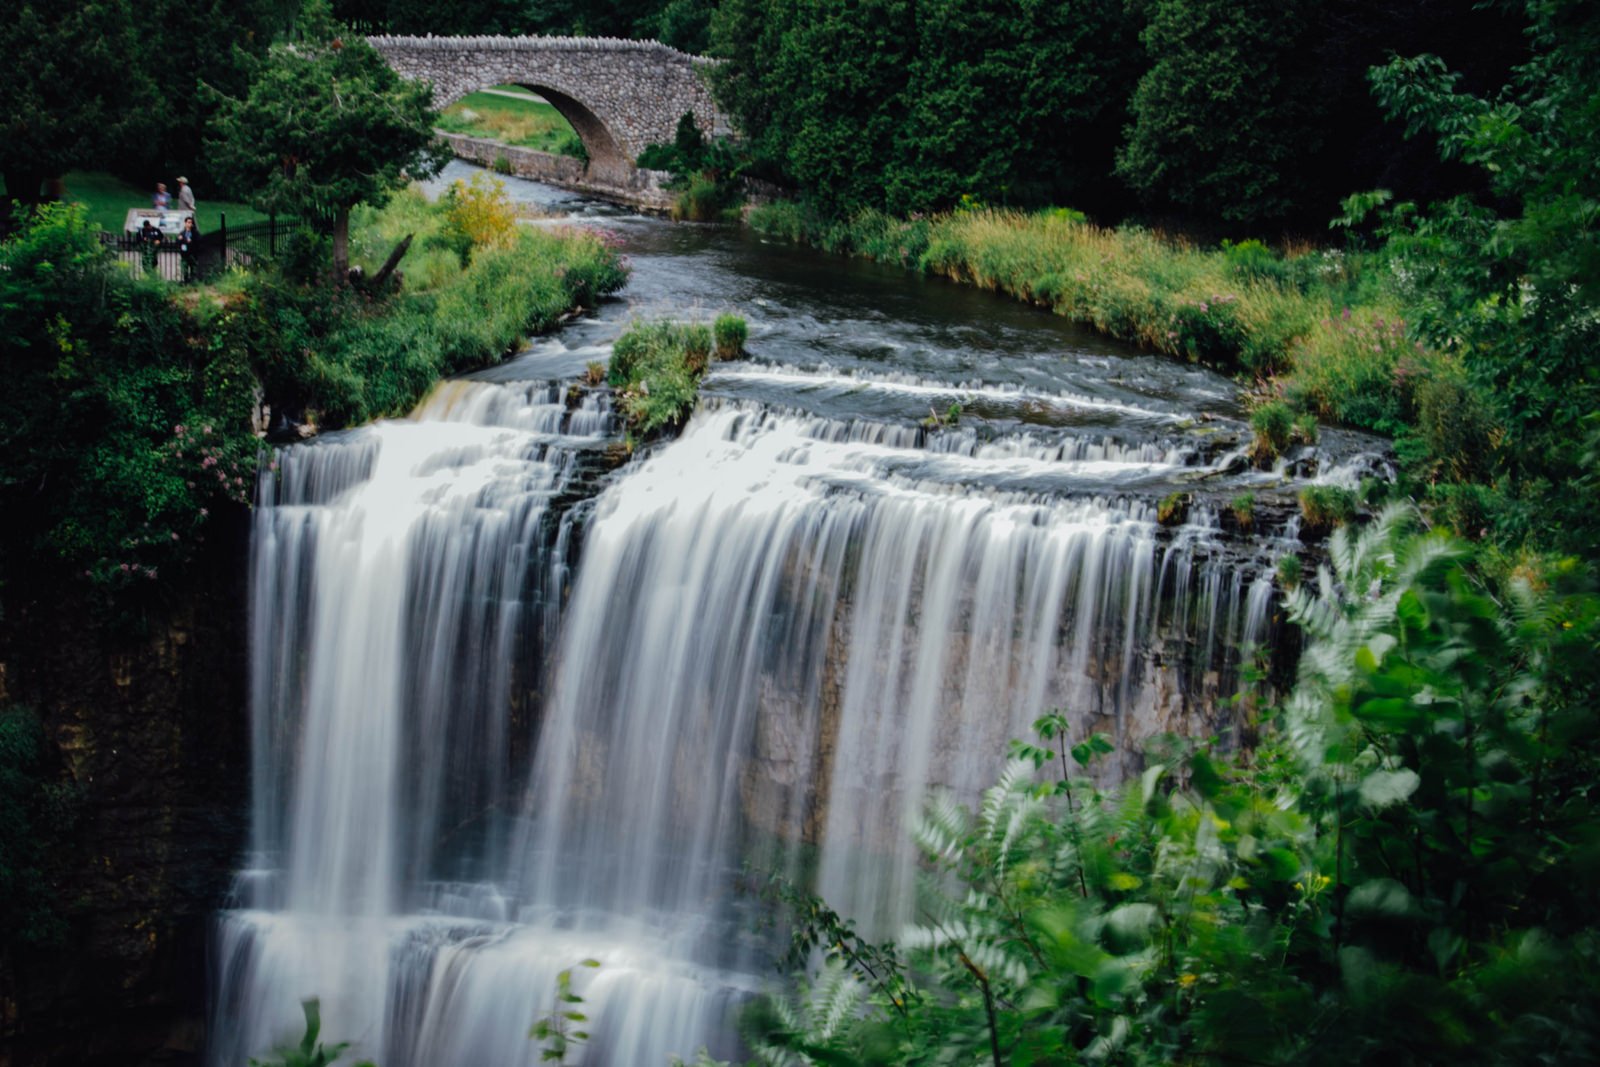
x=516, y=707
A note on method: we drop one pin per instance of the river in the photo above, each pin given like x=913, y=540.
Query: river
x=516, y=707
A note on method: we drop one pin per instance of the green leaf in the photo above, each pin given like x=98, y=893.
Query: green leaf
x=1381, y=789
x=1203, y=773
x=1381, y=897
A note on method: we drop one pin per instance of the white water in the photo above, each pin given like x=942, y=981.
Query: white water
x=474, y=769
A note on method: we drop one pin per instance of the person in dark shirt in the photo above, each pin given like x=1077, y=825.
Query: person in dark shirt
x=186, y=250
x=149, y=245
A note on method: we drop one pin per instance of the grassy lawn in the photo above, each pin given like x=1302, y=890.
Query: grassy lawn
x=524, y=120
x=110, y=198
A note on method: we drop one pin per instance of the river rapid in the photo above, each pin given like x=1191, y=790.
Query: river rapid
x=516, y=707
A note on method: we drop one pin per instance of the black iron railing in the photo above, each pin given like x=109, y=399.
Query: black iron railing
x=206, y=255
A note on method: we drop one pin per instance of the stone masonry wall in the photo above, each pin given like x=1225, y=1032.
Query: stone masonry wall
x=643, y=189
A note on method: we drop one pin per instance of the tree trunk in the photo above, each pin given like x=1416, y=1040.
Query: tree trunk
x=341, y=246
x=391, y=263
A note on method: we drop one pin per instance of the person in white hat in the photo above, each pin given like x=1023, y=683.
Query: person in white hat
x=185, y=195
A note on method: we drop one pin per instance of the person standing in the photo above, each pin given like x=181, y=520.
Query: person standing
x=162, y=198
x=186, y=251
x=185, y=194
x=149, y=246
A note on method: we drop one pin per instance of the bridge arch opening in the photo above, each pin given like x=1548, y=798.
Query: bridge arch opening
x=608, y=161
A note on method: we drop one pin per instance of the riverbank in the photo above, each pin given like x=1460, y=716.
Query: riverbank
x=1317, y=330
x=1318, y=334
x=474, y=283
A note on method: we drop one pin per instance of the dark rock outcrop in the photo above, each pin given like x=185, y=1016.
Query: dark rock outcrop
x=144, y=708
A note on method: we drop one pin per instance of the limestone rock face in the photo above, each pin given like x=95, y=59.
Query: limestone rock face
x=145, y=716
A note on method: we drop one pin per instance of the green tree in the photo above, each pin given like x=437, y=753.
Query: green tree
x=118, y=430
x=182, y=46
x=68, y=90
x=326, y=125
x=425, y=16
x=1014, y=101
x=1226, y=109
x=830, y=92
x=906, y=106
x=1511, y=283
x=683, y=24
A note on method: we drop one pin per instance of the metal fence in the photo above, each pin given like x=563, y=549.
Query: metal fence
x=207, y=255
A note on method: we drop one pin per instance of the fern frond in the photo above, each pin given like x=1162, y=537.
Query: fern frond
x=941, y=832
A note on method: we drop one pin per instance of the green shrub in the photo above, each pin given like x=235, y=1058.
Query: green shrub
x=1173, y=509
x=656, y=369
x=1244, y=510
x=1253, y=261
x=572, y=146
x=124, y=420
x=730, y=331
x=1353, y=368
x=1273, y=424
x=349, y=359
x=1325, y=506
x=1454, y=425
x=704, y=198
x=501, y=165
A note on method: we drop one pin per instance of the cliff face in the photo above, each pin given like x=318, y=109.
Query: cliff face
x=146, y=718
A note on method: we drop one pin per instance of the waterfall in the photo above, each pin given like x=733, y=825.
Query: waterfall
x=474, y=769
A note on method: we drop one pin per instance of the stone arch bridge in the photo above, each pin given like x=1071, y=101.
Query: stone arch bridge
x=619, y=95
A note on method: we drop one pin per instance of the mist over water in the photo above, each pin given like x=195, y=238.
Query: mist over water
x=513, y=709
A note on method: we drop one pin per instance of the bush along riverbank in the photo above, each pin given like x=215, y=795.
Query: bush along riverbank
x=1317, y=335
x=1311, y=323
x=656, y=369
x=132, y=410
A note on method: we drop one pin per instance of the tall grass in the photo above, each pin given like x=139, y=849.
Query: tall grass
x=348, y=356
x=1286, y=321
x=525, y=122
